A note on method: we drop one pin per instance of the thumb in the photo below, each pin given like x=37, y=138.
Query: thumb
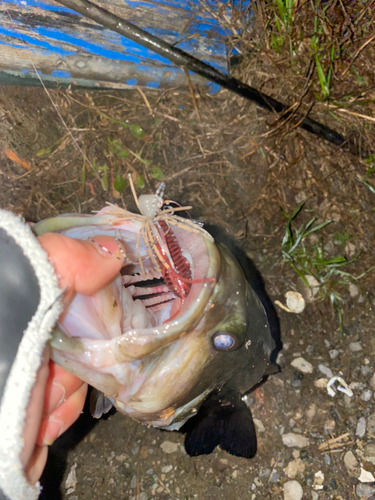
x=83, y=266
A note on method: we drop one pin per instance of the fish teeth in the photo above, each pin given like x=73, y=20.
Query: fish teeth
x=149, y=274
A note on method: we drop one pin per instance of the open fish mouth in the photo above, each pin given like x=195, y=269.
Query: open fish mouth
x=111, y=339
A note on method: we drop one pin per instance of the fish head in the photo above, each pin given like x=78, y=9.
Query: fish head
x=156, y=354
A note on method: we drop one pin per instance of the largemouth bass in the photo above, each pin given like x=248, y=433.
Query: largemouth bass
x=179, y=334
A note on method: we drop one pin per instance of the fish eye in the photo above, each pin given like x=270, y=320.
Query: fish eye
x=224, y=341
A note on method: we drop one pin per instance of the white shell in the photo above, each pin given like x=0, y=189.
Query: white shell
x=295, y=302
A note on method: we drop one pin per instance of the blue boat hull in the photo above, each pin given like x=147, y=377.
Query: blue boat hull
x=65, y=47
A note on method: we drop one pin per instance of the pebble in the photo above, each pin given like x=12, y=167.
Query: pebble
x=274, y=478
x=314, y=495
x=296, y=384
x=133, y=481
x=364, y=490
x=365, y=370
x=292, y=440
x=325, y=370
x=311, y=411
x=351, y=464
x=355, y=346
x=361, y=427
x=318, y=480
x=327, y=459
x=353, y=290
x=167, y=468
x=329, y=426
x=169, y=446
x=321, y=383
x=264, y=473
x=366, y=476
x=369, y=453
x=333, y=353
x=292, y=490
x=294, y=467
x=71, y=480
x=366, y=395
x=372, y=381
x=371, y=424
x=259, y=425
x=302, y=365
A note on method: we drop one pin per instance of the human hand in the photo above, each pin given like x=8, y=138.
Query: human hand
x=58, y=397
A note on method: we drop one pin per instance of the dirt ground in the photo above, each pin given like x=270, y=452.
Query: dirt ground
x=240, y=168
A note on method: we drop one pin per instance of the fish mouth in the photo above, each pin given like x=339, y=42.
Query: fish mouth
x=143, y=309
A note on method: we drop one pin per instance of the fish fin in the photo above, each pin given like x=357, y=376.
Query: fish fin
x=224, y=422
x=99, y=403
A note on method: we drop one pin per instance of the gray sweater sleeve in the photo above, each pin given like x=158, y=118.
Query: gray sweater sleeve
x=29, y=307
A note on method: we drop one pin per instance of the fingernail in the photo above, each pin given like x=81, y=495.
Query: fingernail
x=58, y=397
x=53, y=430
x=109, y=247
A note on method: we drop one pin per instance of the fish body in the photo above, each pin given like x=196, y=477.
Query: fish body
x=167, y=344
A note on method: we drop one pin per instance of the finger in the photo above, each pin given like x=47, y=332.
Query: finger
x=60, y=386
x=83, y=266
x=36, y=464
x=34, y=409
x=62, y=418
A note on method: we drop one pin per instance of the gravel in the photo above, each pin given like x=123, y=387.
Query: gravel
x=292, y=490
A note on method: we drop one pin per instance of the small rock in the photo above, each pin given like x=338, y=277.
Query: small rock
x=365, y=370
x=71, y=480
x=318, y=480
x=351, y=464
x=264, y=473
x=325, y=370
x=296, y=384
x=333, y=353
x=361, y=427
x=293, y=440
x=366, y=476
x=311, y=411
x=321, y=383
x=167, y=468
x=314, y=495
x=274, y=477
x=257, y=481
x=169, y=447
x=369, y=453
x=372, y=381
x=133, y=482
x=329, y=426
x=292, y=490
x=353, y=290
x=302, y=365
x=355, y=346
x=259, y=425
x=121, y=458
x=364, y=490
x=366, y=395
x=294, y=467
x=350, y=251
x=371, y=424
x=327, y=459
